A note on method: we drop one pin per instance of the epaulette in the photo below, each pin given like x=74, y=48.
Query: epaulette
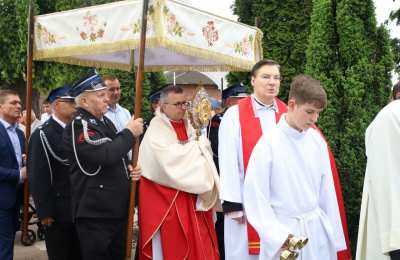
x=42, y=126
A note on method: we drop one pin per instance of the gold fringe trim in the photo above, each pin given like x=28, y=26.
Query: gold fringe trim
x=127, y=67
x=158, y=40
x=203, y=68
x=91, y=63
x=95, y=48
x=59, y=54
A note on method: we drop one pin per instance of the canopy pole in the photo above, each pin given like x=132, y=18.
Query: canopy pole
x=137, y=113
x=25, y=238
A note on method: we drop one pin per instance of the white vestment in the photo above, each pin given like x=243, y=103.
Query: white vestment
x=379, y=228
x=289, y=189
x=230, y=155
x=186, y=166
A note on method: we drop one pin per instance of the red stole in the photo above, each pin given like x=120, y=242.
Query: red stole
x=180, y=130
x=345, y=254
x=185, y=233
x=251, y=132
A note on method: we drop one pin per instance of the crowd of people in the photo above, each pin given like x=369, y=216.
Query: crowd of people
x=260, y=177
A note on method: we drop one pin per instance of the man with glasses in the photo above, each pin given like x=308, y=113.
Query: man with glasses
x=179, y=186
x=241, y=127
x=48, y=171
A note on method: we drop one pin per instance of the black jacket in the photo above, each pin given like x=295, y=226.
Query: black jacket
x=104, y=194
x=50, y=187
x=9, y=169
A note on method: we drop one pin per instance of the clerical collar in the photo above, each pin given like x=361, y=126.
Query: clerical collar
x=61, y=123
x=260, y=105
x=283, y=124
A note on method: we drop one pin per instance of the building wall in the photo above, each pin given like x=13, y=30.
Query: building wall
x=212, y=91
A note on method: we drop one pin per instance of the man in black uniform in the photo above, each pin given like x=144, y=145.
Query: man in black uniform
x=230, y=96
x=100, y=172
x=48, y=173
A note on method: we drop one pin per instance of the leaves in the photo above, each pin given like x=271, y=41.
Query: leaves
x=352, y=59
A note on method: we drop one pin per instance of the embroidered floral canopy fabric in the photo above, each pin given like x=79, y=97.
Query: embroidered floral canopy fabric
x=179, y=37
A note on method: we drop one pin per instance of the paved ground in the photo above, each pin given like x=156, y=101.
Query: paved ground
x=35, y=252
x=38, y=250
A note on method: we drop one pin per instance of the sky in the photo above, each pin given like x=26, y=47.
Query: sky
x=223, y=8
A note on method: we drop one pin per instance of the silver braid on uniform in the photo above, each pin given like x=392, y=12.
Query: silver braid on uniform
x=87, y=138
x=76, y=154
x=45, y=141
x=47, y=157
x=126, y=169
x=99, y=142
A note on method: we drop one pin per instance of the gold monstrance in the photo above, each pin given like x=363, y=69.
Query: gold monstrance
x=199, y=110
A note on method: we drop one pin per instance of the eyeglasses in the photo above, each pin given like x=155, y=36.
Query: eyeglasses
x=179, y=104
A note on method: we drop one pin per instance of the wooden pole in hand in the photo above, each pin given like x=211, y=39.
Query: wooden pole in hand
x=138, y=106
x=24, y=238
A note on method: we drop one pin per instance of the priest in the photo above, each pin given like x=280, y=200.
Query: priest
x=287, y=192
x=241, y=127
x=179, y=187
x=379, y=230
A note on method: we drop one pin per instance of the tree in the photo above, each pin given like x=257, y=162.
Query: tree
x=396, y=52
x=395, y=16
x=285, y=25
x=48, y=75
x=353, y=60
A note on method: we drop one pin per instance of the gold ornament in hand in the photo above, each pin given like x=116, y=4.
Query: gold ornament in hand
x=291, y=247
x=199, y=110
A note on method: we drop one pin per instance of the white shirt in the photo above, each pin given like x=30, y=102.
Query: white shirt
x=119, y=116
x=12, y=134
x=44, y=117
x=289, y=189
x=61, y=123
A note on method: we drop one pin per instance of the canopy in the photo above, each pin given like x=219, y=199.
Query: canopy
x=179, y=37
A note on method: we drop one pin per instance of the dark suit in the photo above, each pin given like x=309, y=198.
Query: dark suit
x=51, y=190
x=100, y=202
x=212, y=133
x=9, y=182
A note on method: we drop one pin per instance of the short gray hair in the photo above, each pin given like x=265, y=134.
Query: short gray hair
x=78, y=99
x=167, y=90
